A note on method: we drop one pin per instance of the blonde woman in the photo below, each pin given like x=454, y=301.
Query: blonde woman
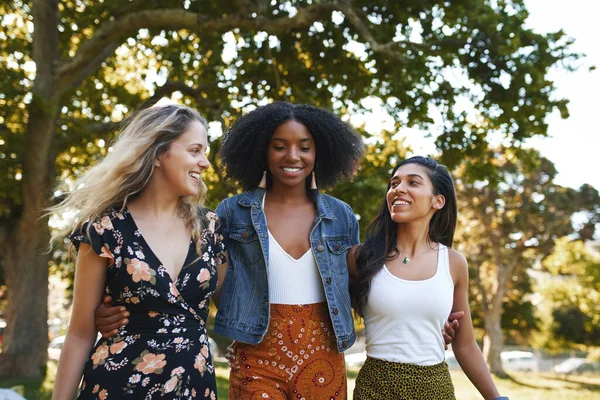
x=144, y=238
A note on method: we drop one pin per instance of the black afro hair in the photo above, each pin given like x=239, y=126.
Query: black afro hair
x=245, y=145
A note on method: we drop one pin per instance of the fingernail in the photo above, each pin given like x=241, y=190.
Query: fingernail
x=125, y=321
x=122, y=309
x=125, y=314
x=115, y=331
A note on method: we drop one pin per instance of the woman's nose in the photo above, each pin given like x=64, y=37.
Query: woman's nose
x=293, y=154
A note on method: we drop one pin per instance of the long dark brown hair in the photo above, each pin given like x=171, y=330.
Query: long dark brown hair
x=380, y=244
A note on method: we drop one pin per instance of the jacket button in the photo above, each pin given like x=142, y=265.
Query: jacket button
x=245, y=234
x=344, y=343
x=320, y=247
x=335, y=311
x=329, y=280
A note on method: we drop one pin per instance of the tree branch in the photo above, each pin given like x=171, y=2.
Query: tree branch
x=113, y=32
x=71, y=82
x=390, y=48
x=172, y=86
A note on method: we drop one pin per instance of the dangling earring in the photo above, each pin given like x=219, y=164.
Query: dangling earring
x=313, y=183
x=263, y=181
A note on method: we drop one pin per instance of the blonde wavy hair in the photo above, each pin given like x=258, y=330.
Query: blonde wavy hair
x=126, y=170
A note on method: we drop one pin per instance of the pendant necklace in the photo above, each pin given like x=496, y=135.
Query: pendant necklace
x=406, y=259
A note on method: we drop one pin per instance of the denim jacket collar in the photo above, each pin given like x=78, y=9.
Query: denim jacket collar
x=254, y=198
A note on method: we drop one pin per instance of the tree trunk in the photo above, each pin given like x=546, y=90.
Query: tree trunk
x=493, y=341
x=26, y=266
x=25, y=261
x=26, y=255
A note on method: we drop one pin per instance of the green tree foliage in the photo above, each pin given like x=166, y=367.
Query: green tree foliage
x=505, y=226
x=73, y=68
x=570, y=296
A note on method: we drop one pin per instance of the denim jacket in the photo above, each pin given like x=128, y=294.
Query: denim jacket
x=244, y=307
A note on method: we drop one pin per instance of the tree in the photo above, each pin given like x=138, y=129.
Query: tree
x=74, y=67
x=508, y=224
x=570, y=296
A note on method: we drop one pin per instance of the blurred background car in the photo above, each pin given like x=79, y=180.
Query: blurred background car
x=519, y=361
x=55, y=347
x=576, y=365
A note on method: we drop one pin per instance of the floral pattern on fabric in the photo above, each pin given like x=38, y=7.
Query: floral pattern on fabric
x=163, y=351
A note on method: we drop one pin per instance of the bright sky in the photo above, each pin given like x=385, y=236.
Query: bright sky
x=574, y=145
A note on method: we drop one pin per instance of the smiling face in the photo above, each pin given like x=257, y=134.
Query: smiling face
x=182, y=164
x=411, y=195
x=291, y=154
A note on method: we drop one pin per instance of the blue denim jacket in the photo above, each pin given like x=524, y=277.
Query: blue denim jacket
x=244, y=307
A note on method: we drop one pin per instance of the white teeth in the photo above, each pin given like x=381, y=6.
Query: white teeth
x=291, y=169
x=401, y=203
x=195, y=175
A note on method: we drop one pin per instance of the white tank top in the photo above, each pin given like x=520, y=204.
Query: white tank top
x=404, y=319
x=292, y=281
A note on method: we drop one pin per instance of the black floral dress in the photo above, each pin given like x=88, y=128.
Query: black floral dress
x=163, y=351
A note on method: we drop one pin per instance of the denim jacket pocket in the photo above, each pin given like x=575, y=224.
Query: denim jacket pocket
x=338, y=245
x=244, y=245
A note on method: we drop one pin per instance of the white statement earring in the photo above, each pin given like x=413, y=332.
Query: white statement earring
x=313, y=183
x=263, y=181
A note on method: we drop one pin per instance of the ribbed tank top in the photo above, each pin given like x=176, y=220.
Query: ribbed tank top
x=404, y=319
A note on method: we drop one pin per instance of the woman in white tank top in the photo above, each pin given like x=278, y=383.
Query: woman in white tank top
x=407, y=280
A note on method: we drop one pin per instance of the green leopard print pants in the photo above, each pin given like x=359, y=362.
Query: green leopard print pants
x=385, y=380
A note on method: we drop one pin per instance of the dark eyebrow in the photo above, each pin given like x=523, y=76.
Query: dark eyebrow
x=396, y=177
x=285, y=140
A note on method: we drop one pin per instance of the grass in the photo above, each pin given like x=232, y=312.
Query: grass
x=532, y=386
x=526, y=386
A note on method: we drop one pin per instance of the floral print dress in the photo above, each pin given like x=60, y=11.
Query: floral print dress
x=163, y=351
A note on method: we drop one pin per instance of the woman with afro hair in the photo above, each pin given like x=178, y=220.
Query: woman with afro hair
x=285, y=297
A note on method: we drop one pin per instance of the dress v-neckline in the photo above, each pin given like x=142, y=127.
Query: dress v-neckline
x=141, y=235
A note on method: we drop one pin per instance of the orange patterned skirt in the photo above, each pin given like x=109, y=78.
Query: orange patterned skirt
x=297, y=359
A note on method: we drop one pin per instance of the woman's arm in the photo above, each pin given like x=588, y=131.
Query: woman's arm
x=464, y=346
x=90, y=277
x=351, y=262
x=221, y=272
